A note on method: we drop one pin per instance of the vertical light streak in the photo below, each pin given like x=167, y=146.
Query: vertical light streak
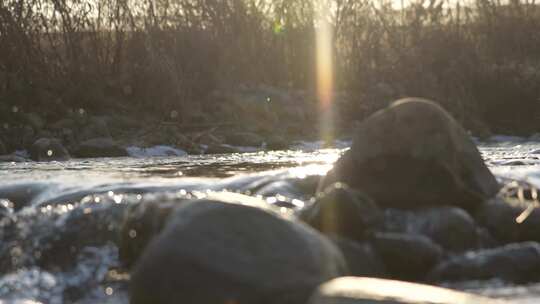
x=325, y=75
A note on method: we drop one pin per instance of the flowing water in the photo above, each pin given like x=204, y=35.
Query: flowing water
x=59, y=220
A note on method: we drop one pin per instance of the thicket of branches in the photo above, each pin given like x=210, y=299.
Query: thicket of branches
x=481, y=59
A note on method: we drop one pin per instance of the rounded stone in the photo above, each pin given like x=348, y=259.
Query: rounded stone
x=342, y=211
x=413, y=154
x=226, y=252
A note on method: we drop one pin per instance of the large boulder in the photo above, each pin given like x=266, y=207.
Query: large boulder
x=341, y=211
x=358, y=290
x=518, y=262
x=48, y=149
x=230, y=252
x=412, y=154
x=99, y=147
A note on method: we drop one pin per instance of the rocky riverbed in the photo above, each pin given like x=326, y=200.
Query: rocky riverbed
x=178, y=229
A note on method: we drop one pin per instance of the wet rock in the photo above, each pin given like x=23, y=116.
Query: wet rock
x=244, y=139
x=352, y=290
x=450, y=227
x=407, y=256
x=225, y=252
x=342, y=211
x=142, y=223
x=48, y=149
x=99, y=147
x=361, y=258
x=414, y=154
x=500, y=216
x=518, y=262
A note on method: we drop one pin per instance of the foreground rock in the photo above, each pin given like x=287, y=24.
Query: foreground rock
x=99, y=147
x=500, y=217
x=358, y=290
x=341, y=211
x=219, y=252
x=48, y=149
x=414, y=154
x=518, y=263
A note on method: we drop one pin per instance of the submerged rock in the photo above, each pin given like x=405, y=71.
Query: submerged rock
x=226, y=252
x=342, y=211
x=99, y=147
x=518, y=262
x=48, y=149
x=357, y=290
x=407, y=256
x=413, y=154
x=500, y=217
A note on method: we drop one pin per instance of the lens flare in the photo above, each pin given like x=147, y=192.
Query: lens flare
x=325, y=76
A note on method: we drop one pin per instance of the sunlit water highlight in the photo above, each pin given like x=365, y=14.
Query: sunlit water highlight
x=55, y=191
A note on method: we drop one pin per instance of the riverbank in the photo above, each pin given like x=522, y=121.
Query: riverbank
x=246, y=119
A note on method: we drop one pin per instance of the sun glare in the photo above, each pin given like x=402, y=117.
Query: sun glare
x=325, y=75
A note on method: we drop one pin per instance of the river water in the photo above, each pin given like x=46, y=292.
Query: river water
x=43, y=204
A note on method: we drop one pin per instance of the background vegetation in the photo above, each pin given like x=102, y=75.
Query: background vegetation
x=481, y=59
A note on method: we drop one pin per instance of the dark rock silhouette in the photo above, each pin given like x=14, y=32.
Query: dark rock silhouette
x=342, y=211
x=407, y=256
x=518, y=262
x=48, y=149
x=361, y=258
x=499, y=216
x=99, y=147
x=450, y=227
x=225, y=252
x=413, y=154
